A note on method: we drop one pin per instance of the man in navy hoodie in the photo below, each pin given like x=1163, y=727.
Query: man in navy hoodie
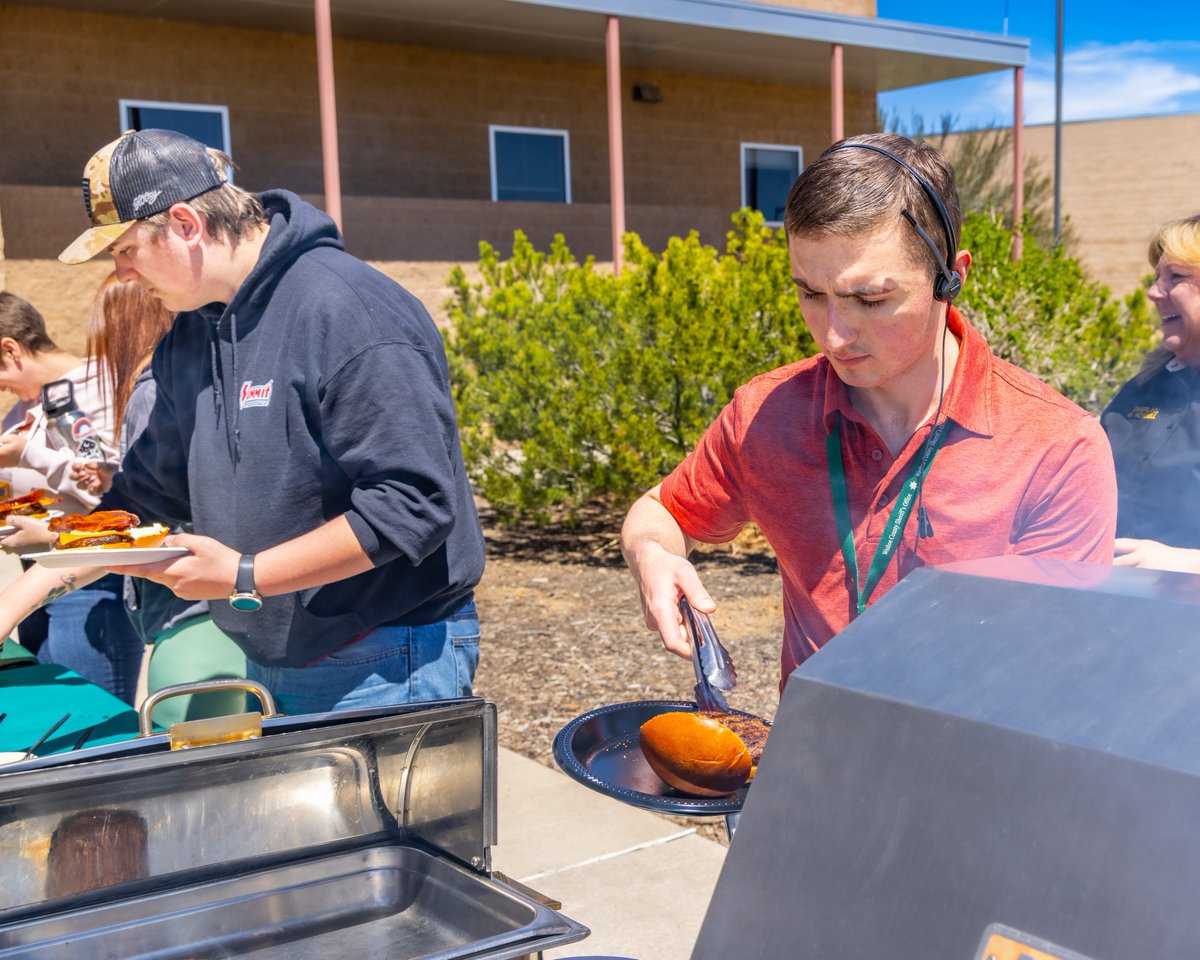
x=303, y=429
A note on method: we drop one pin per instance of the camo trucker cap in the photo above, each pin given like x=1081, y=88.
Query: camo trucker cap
x=141, y=173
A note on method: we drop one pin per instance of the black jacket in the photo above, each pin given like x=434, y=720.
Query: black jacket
x=321, y=390
x=1154, y=429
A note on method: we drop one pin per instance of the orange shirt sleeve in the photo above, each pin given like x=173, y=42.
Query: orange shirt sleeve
x=1075, y=517
x=704, y=493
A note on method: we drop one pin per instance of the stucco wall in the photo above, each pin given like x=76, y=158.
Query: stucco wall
x=412, y=122
x=860, y=8
x=1121, y=179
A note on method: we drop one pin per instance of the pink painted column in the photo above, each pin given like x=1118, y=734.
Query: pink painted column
x=616, y=145
x=1018, y=160
x=328, y=106
x=837, y=92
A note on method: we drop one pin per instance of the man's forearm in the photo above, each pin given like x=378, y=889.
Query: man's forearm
x=329, y=553
x=649, y=524
x=656, y=549
x=39, y=586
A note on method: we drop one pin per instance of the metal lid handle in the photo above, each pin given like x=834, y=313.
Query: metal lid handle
x=146, y=710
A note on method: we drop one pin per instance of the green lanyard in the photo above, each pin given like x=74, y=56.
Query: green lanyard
x=898, y=518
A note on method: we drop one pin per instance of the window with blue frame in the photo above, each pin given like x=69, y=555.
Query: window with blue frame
x=530, y=163
x=768, y=172
x=208, y=123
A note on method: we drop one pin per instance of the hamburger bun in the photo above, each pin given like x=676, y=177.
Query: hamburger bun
x=695, y=753
x=149, y=536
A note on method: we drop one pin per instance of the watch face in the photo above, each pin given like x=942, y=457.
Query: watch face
x=247, y=602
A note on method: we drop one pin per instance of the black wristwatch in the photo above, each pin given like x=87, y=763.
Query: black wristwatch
x=244, y=596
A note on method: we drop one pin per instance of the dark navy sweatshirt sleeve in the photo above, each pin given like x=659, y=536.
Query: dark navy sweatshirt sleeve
x=388, y=420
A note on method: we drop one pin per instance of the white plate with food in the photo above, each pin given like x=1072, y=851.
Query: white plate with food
x=8, y=528
x=105, y=556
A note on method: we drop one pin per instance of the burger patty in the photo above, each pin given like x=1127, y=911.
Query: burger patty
x=752, y=730
x=26, y=510
x=100, y=541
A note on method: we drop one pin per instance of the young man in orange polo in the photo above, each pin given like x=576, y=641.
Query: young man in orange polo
x=904, y=442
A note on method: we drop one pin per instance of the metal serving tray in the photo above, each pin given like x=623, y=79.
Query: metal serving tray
x=358, y=835
x=600, y=750
x=398, y=902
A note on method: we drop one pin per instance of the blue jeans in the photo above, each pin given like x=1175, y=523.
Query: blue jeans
x=90, y=632
x=388, y=665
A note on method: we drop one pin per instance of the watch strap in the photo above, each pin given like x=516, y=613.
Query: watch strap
x=245, y=597
x=245, y=575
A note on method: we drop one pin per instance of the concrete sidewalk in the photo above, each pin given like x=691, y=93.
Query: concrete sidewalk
x=640, y=882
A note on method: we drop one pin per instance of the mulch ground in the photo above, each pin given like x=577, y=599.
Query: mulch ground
x=562, y=631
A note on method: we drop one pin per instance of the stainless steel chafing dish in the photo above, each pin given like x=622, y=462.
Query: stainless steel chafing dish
x=360, y=834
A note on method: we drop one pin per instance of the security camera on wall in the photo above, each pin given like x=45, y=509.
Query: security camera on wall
x=646, y=93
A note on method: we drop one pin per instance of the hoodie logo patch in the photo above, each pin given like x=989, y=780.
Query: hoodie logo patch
x=255, y=395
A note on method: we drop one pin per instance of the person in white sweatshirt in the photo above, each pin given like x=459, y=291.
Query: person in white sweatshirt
x=89, y=630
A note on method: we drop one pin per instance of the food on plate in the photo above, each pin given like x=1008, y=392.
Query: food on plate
x=32, y=504
x=752, y=730
x=107, y=529
x=702, y=753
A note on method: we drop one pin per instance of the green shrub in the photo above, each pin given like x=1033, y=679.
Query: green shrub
x=1043, y=314
x=573, y=385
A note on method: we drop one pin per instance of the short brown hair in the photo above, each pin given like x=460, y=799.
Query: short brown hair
x=20, y=320
x=231, y=214
x=849, y=192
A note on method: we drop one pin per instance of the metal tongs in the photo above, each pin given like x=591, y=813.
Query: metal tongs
x=714, y=669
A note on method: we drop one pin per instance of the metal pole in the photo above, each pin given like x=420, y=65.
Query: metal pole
x=616, y=148
x=328, y=108
x=1058, y=90
x=837, y=92
x=1018, y=162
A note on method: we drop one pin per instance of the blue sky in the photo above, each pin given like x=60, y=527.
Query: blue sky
x=1119, y=60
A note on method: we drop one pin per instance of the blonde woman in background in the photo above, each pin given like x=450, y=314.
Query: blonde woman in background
x=1153, y=423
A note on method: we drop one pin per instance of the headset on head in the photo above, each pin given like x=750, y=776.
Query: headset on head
x=948, y=283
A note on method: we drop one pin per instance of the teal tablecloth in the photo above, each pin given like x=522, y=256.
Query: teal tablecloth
x=35, y=695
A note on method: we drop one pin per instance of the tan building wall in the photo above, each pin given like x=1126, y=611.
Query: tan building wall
x=1121, y=180
x=413, y=128
x=859, y=8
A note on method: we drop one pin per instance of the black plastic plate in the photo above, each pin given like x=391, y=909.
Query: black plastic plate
x=600, y=749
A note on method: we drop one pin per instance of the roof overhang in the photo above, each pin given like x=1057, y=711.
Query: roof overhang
x=755, y=41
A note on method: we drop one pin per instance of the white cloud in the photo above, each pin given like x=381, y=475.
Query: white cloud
x=1099, y=80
